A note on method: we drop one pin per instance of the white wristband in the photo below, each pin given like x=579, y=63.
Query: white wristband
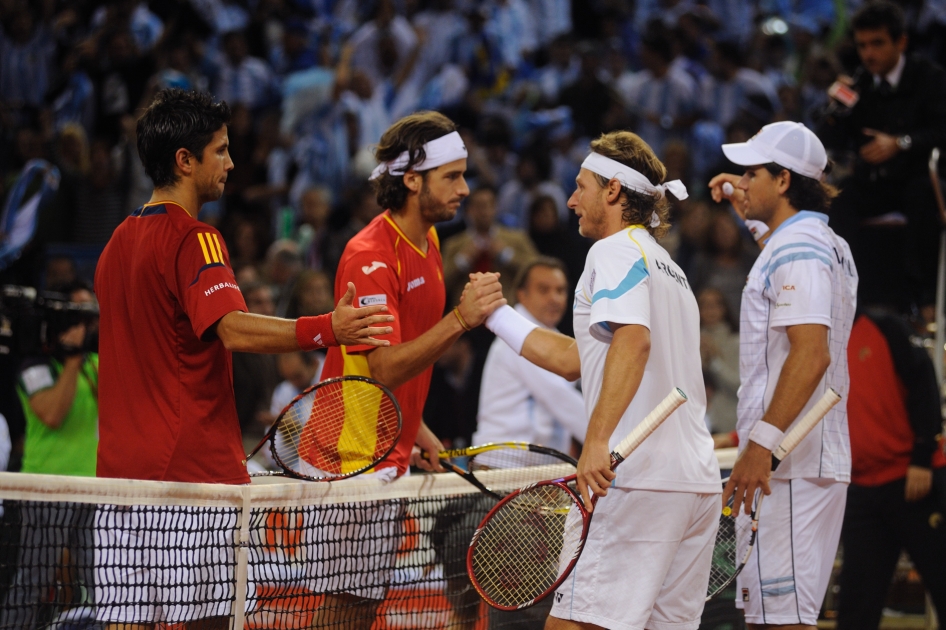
x=758, y=229
x=766, y=435
x=510, y=326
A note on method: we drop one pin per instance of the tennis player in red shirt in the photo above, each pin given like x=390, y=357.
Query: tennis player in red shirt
x=171, y=312
x=395, y=261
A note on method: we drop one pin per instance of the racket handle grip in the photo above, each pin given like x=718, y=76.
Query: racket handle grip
x=648, y=425
x=804, y=426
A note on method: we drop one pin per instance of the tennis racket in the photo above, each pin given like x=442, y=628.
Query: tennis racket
x=728, y=558
x=517, y=460
x=335, y=429
x=530, y=541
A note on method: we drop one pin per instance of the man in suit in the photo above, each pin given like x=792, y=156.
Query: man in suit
x=485, y=246
x=886, y=209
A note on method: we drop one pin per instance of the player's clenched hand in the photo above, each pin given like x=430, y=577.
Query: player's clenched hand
x=750, y=473
x=737, y=197
x=483, y=296
x=918, y=483
x=594, y=471
x=427, y=441
x=357, y=326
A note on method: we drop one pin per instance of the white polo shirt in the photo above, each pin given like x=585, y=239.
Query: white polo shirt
x=521, y=402
x=805, y=275
x=630, y=279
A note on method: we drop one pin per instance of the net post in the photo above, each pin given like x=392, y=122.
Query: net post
x=242, y=551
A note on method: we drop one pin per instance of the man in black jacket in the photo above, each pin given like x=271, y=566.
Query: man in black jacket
x=887, y=210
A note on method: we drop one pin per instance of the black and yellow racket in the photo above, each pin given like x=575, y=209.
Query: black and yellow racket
x=335, y=429
x=520, y=462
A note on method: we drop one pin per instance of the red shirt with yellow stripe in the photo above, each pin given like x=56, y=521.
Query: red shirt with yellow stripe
x=166, y=406
x=387, y=268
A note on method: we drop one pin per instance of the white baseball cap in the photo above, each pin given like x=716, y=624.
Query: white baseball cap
x=788, y=144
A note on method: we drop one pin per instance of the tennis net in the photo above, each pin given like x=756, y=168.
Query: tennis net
x=79, y=553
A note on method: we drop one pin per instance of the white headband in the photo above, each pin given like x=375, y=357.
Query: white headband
x=629, y=178
x=443, y=150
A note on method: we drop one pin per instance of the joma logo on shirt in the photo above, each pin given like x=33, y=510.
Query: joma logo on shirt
x=416, y=282
x=222, y=285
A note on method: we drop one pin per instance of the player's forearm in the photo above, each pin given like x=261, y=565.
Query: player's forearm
x=395, y=365
x=52, y=405
x=803, y=370
x=248, y=332
x=553, y=351
x=623, y=373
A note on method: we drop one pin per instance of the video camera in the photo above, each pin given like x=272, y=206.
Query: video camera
x=31, y=322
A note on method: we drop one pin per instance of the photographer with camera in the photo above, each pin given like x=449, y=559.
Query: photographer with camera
x=59, y=389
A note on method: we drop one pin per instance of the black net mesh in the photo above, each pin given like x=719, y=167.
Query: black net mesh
x=84, y=554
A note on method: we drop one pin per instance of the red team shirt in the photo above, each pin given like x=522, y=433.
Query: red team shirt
x=388, y=269
x=166, y=406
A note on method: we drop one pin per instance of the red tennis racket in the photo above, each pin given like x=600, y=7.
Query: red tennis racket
x=530, y=541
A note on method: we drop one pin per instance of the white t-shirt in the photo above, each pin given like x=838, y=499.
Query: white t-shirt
x=521, y=402
x=805, y=275
x=630, y=279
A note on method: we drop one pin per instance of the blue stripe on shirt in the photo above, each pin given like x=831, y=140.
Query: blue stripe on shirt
x=634, y=277
x=784, y=260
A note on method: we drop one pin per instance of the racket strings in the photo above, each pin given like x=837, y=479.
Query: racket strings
x=734, y=540
x=337, y=428
x=526, y=546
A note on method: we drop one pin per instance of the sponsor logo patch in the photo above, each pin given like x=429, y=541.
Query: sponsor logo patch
x=222, y=285
x=372, y=300
x=374, y=266
x=745, y=594
x=416, y=282
x=558, y=597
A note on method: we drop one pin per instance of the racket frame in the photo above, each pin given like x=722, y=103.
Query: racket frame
x=472, y=451
x=623, y=450
x=274, y=431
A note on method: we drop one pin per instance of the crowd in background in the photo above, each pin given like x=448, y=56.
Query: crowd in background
x=313, y=83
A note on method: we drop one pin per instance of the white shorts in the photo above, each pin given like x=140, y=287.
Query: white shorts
x=167, y=564
x=646, y=562
x=785, y=579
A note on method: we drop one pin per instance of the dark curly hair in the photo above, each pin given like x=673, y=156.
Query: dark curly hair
x=806, y=193
x=408, y=134
x=628, y=149
x=177, y=119
x=880, y=14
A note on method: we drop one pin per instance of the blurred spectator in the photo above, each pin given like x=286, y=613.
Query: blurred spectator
x=384, y=45
x=515, y=30
x=101, y=197
x=719, y=350
x=60, y=271
x=298, y=370
x=664, y=102
x=894, y=416
x=887, y=204
x=27, y=53
x=561, y=70
x=365, y=208
x=241, y=78
x=120, y=78
x=519, y=401
x=255, y=375
x=726, y=261
x=283, y=264
x=311, y=295
x=315, y=205
x=296, y=50
x=729, y=84
x=593, y=103
x=453, y=400
x=484, y=246
x=146, y=27
x=72, y=94
x=533, y=178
